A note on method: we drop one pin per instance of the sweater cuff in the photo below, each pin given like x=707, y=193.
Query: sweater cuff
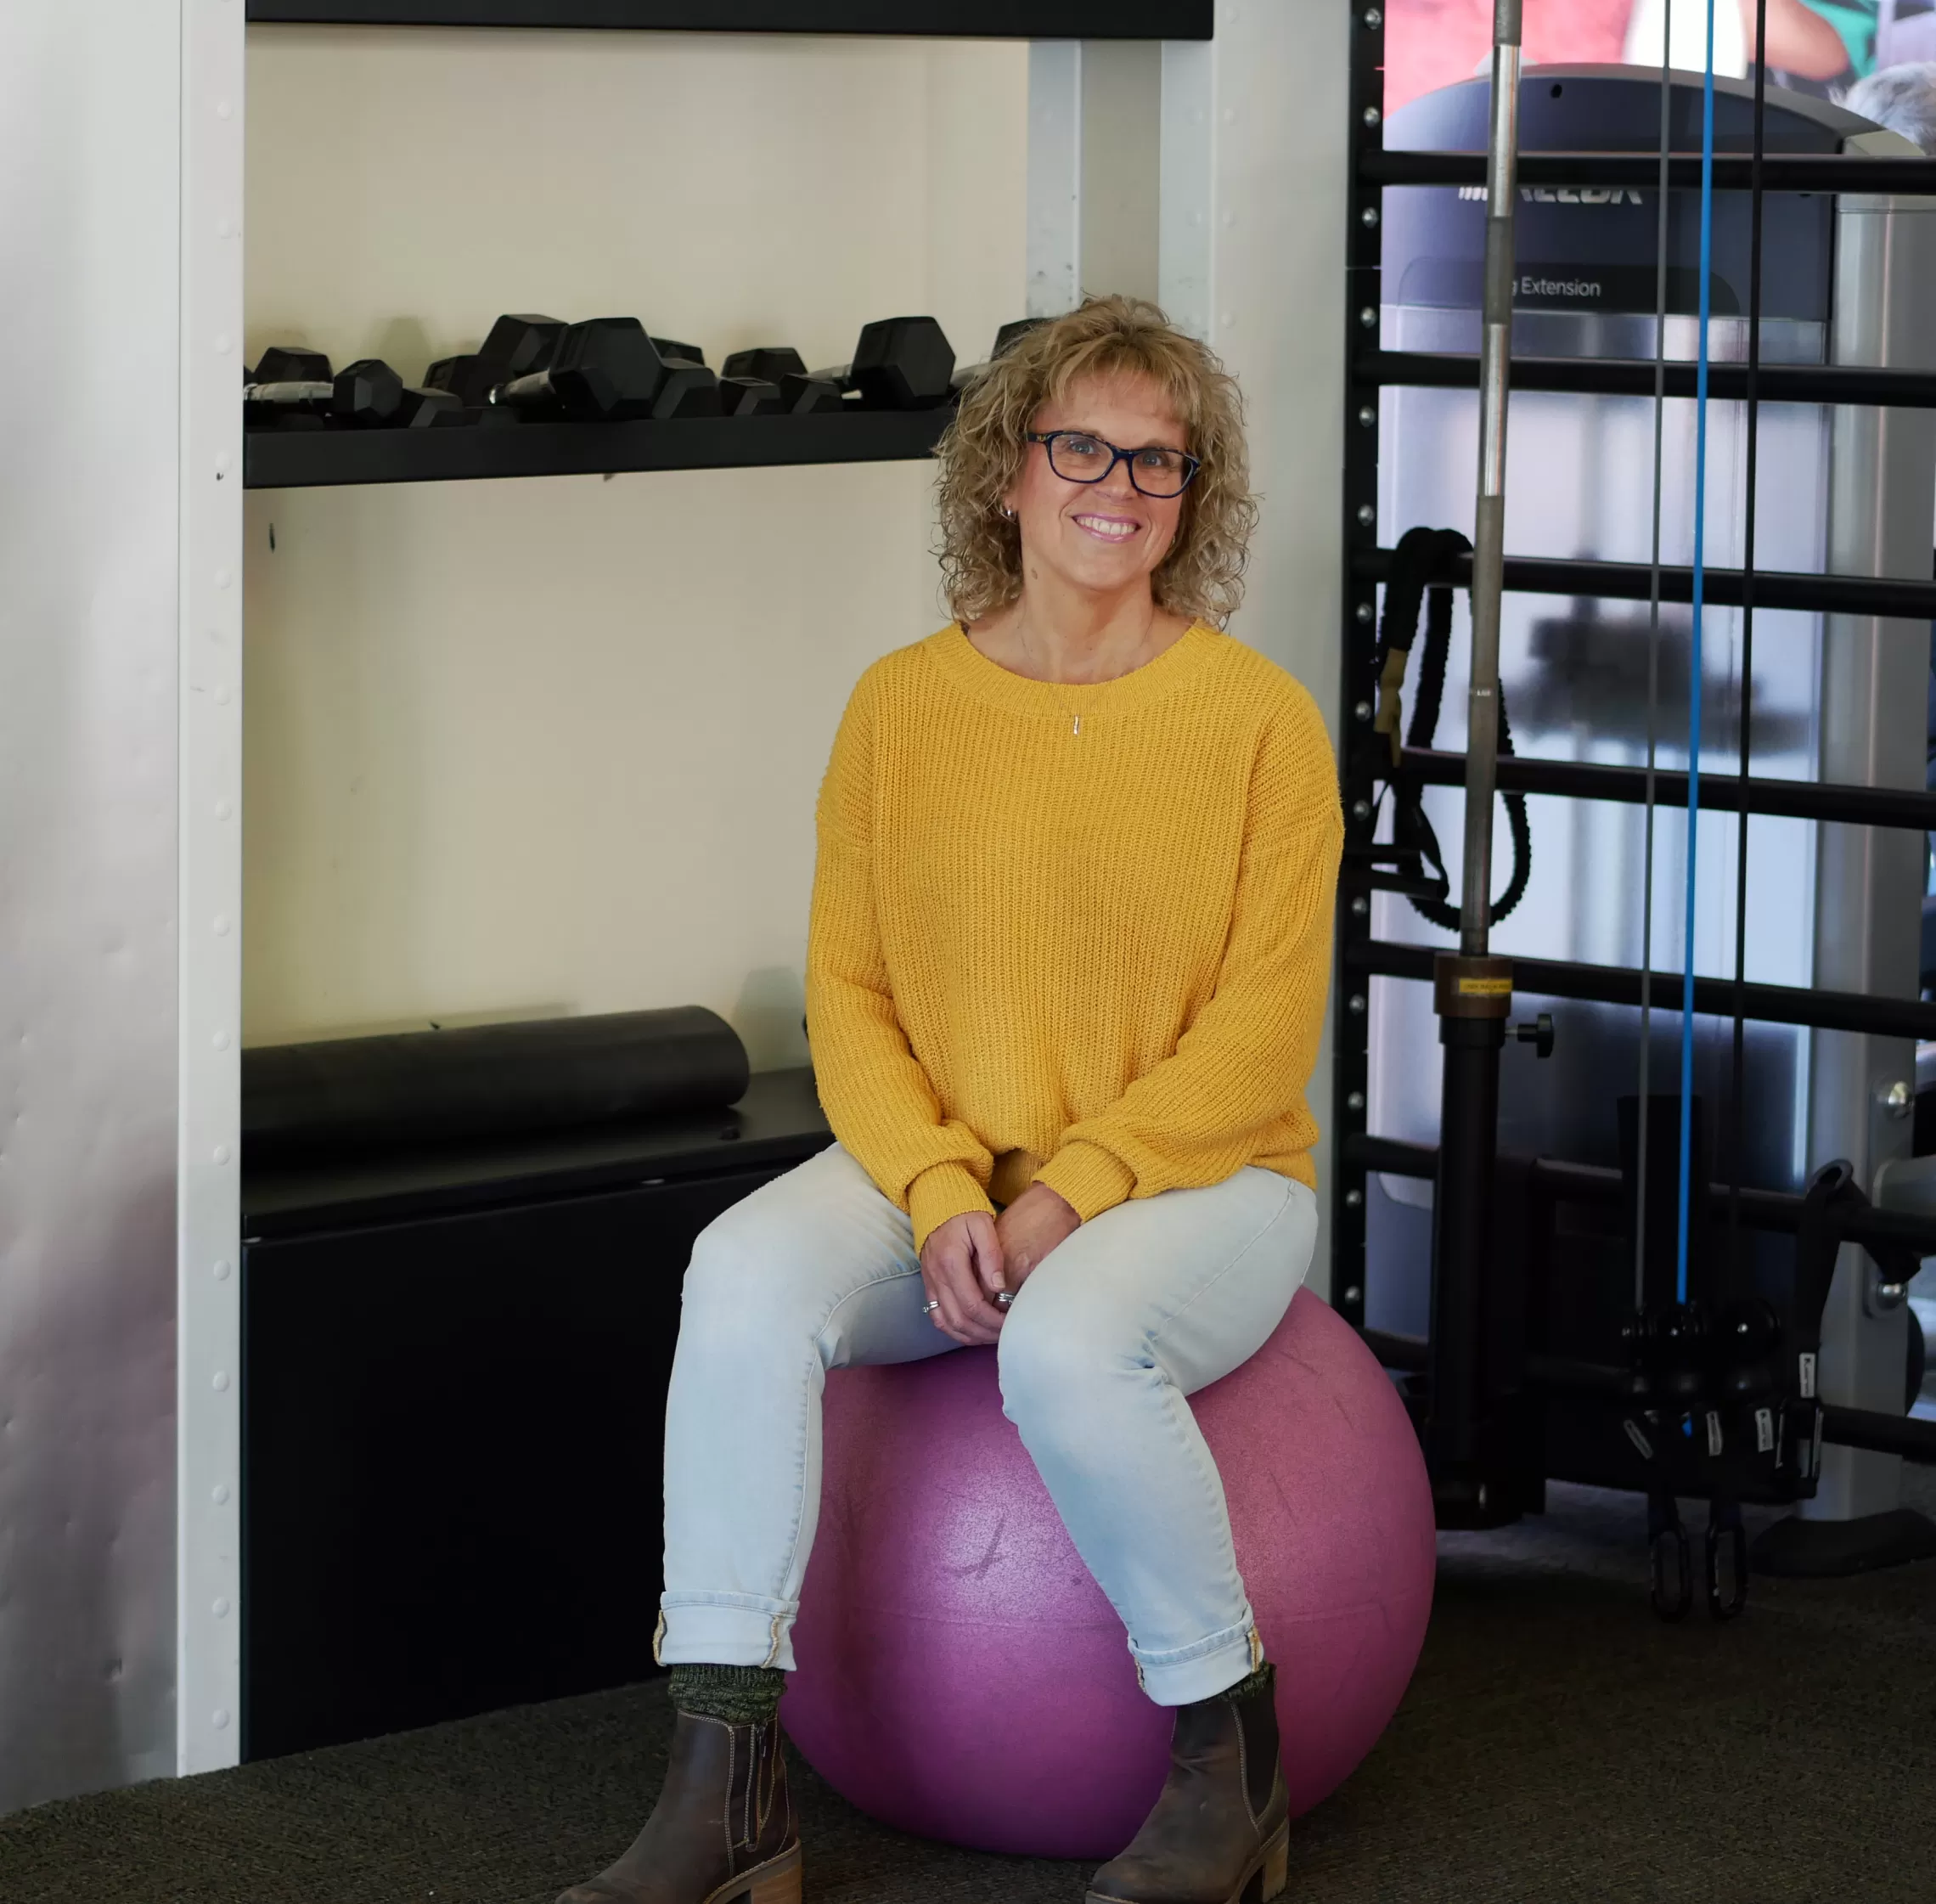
x=941, y=1191
x=1088, y=1178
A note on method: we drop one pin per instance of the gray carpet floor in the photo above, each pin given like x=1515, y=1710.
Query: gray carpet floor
x=1557, y=1742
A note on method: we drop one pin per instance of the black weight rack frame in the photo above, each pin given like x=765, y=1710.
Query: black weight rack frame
x=998, y=19
x=1361, y=956
x=276, y=458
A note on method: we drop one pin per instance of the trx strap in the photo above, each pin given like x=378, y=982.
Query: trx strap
x=1419, y=574
x=1832, y=1198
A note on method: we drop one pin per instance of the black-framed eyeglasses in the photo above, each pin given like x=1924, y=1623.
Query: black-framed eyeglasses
x=1076, y=456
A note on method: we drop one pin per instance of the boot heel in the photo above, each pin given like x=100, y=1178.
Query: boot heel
x=1276, y=1864
x=780, y=1885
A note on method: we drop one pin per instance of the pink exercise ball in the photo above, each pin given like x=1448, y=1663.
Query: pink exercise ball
x=960, y=1675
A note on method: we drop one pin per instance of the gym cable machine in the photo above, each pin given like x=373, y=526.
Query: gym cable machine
x=1713, y=1390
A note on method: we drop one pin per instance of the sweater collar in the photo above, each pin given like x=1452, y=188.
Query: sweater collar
x=971, y=670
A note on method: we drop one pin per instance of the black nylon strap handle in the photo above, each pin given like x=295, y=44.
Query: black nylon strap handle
x=1422, y=556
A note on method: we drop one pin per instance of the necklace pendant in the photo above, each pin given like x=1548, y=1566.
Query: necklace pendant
x=1077, y=728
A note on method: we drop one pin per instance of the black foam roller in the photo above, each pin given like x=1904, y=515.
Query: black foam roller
x=488, y=1080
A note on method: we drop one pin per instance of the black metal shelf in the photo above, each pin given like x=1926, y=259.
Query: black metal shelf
x=1781, y=171
x=274, y=458
x=1582, y=780
x=1718, y=997
x=1723, y=588
x=958, y=20
x=1394, y=1155
x=1779, y=1210
x=1612, y=376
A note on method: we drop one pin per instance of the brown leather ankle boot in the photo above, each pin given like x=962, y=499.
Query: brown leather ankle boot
x=723, y=1831
x=1220, y=1831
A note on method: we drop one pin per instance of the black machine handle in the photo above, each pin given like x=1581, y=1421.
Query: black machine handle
x=1421, y=574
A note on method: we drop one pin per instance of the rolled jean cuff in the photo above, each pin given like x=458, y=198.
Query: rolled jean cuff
x=724, y=1630
x=1201, y=1671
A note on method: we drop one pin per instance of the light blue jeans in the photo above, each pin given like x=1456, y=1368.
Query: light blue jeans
x=1141, y=1306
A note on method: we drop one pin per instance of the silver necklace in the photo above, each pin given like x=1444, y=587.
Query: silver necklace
x=1028, y=648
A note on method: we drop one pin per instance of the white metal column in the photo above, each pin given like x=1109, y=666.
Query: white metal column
x=1188, y=194
x=1054, y=176
x=1095, y=144
x=207, y=1264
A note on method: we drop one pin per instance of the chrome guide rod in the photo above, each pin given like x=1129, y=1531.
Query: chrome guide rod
x=1488, y=538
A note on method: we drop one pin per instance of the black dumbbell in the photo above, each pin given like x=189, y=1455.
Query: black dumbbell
x=518, y=344
x=691, y=389
x=607, y=369
x=769, y=364
x=799, y=393
x=369, y=392
x=760, y=382
x=749, y=396
x=738, y=395
x=899, y=363
x=296, y=387
x=287, y=382
x=1006, y=339
x=454, y=375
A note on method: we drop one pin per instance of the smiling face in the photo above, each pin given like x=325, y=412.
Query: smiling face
x=1102, y=537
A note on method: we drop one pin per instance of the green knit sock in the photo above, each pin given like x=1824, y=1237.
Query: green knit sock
x=734, y=1695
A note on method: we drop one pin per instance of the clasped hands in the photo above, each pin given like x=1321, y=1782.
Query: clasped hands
x=973, y=1258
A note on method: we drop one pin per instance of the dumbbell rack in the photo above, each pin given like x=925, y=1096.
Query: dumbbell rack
x=287, y=459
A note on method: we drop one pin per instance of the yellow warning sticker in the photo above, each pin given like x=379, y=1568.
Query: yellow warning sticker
x=1485, y=988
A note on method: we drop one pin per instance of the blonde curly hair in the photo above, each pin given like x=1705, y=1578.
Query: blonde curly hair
x=982, y=452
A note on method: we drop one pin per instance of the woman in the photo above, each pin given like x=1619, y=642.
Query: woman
x=1066, y=966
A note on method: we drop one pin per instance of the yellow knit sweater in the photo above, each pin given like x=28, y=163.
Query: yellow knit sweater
x=1099, y=958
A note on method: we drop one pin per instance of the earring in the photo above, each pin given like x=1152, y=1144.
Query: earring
x=1008, y=512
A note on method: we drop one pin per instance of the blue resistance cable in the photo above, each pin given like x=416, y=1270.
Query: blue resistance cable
x=1694, y=660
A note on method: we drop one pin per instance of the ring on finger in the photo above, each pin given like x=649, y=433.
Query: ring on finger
x=928, y=1309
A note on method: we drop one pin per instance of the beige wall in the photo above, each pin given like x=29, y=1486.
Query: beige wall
x=553, y=744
